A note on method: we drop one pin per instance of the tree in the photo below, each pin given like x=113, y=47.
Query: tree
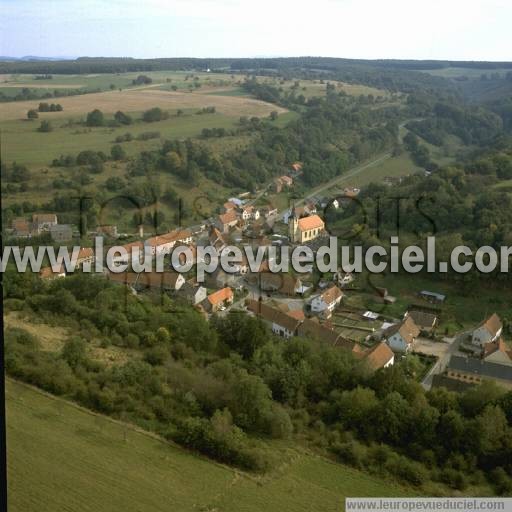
x=122, y=118
x=154, y=114
x=95, y=118
x=117, y=152
x=74, y=351
x=45, y=127
x=32, y=114
x=273, y=115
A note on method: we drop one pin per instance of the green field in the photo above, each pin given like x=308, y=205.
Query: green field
x=21, y=142
x=61, y=457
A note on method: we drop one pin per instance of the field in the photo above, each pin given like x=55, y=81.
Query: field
x=82, y=462
x=455, y=72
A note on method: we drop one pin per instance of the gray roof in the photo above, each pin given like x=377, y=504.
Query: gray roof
x=435, y=295
x=481, y=368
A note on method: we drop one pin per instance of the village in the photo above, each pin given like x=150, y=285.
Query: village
x=305, y=305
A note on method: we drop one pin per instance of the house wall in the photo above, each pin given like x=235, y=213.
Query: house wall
x=481, y=336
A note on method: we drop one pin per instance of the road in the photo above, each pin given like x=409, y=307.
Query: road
x=443, y=359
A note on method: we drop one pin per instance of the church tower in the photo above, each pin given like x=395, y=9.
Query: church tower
x=293, y=226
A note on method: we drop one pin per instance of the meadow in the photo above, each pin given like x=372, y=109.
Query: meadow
x=81, y=462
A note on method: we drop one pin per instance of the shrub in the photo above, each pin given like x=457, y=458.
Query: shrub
x=95, y=118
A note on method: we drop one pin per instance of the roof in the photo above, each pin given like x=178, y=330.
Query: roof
x=229, y=205
x=311, y=222
x=379, y=356
x=481, y=368
x=85, y=252
x=148, y=279
x=279, y=281
x=21, y=225
x=40, y=218
x=438, y=296
x=492, y=324
x=220, y=296
x=273, y=315
x=423, y=319
x=228, y=218
x=311, y=329
x=331, y=295
x=51, y=272
x=407, y=329
x=298, y=314
x=177, y=235
x=495, y=346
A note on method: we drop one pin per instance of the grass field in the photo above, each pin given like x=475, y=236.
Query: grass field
x=134, y=100
x=61, y=457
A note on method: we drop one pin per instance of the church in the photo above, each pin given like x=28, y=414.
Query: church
x=305, y=229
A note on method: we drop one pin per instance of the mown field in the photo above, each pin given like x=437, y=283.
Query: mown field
x=61, y=457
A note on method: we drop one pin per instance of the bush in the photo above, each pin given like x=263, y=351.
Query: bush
x=45, y=127
x=32, y=114
x=95, y=118
x=154, y=114
x=117, y=152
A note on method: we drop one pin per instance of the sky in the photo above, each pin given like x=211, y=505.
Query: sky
x=405, y=29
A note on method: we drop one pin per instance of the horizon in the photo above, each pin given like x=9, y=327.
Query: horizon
x=458, y=31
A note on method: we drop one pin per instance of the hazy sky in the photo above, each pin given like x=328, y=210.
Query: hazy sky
x=415, y=29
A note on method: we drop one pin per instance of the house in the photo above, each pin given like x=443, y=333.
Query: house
x=43, y=221
x=305, y=229
x=282, y=324
x=473, y=371
x=85, y=255
x=229, y=206
x=167, y=281
x=193, y=294
x=61, y=232
x=129, y=248
x=497, y=352
x=343, y=278
x=162, y=244
x=250, y=212
x=108, y=230
x=268, y=211
x=401, y=337
x=183, y=259
x=380, y=356
x=312, y=329
x=226, y=221
x=282, y=182
x=296, y=167
x=326, y=302
x=21, y=228
x=487, y=332
x=216, y=239
x=433, y=297
x=427, y=322
x=219, y=299
x=282, y=282
x=51, y=273
x=221, y=279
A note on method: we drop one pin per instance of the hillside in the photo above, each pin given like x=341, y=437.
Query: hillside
x=77, y=459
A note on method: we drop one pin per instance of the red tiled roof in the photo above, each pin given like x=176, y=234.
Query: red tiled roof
x=311, y=222
x=220, y=296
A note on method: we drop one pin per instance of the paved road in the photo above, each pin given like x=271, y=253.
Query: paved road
x=444, y=358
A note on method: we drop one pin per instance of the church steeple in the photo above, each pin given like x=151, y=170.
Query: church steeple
x=293, y=225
